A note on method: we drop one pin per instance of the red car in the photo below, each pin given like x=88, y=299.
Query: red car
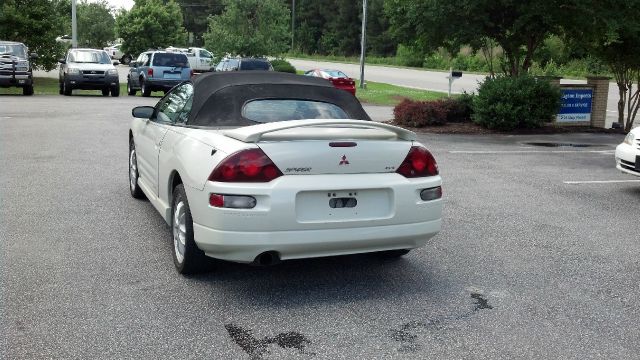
x=339, y=79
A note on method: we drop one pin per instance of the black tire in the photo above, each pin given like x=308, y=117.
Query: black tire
x=115, y=90
x=27, y=90
x=392, y=254
x=135, y=189
x=105, y=92
x=146, y=92
x=66, y=88
x=130, y=90
x=187, y=257
x=126, y=59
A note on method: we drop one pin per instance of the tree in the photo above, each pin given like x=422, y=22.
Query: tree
x=36, y=23
x=250, y=28
x=95, y=24
x=610, y=31
x=151, y=24
x=519, y=27
x=196, y=16
x=343, y=29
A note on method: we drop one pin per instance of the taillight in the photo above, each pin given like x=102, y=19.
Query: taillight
x=251, y=165
x=150, y=72
x=232, y=201
x=418, y=163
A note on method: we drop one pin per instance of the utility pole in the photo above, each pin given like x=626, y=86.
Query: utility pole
x=293, y=21
x=74, y=25
x=363, y=43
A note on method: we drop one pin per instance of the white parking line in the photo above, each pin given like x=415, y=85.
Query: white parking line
x=601, y=182
x=606, y=152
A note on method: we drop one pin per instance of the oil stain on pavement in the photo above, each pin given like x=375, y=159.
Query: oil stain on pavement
x=257, y=348
x=406, y=333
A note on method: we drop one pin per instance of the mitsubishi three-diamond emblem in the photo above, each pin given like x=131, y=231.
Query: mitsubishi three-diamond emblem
x=343, y=160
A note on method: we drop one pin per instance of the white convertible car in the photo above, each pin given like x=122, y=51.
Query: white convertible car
x=628, y=153
x=258, y=167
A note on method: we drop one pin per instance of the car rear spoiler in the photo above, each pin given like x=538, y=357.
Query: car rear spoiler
x=253, y=134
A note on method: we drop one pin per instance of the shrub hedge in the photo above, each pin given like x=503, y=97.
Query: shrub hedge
x=438, y=112
x=282, y=65
x=507, y=103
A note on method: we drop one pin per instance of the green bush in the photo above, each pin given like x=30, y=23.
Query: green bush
x=471, y=62
x=507, y=103
x=282, y=65
x=460, y=108
x=409, y=56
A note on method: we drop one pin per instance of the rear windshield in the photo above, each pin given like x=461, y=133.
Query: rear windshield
x=89, y=56
x=254, y=65
x=335, y=73
x=271, y=110
x=170, y=60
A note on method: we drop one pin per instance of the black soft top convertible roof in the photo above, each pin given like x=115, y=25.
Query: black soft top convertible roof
x=218, y=98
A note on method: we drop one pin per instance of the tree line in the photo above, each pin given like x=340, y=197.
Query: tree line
x=512, y=36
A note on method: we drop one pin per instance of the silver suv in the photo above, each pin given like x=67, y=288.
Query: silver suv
x=15, y=67
x=88, y=69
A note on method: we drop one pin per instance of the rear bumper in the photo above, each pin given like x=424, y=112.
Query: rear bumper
x=348, y=89
x=293, y=216
x=162, y=85
x=244, y=247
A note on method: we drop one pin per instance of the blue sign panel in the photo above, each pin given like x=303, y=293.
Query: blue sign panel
x=576, y=105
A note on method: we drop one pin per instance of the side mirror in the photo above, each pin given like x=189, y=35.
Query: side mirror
x=116, y=63
x=33, y=56
x=133, y=64
x=143, y=112
x=62, y=61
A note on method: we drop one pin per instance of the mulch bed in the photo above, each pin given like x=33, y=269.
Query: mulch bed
x=473, y=129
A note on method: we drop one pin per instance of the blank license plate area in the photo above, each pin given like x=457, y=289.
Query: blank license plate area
x=343, y=205
x=171, y=75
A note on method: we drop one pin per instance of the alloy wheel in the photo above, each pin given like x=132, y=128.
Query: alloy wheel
x=179, y=231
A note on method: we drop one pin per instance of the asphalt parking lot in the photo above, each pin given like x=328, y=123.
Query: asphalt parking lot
x=538, y=258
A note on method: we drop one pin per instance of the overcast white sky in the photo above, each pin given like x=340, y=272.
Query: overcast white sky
x=117, y=4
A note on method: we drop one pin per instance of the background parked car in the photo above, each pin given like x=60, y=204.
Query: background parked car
x=337, y=78
x=116, y=53
x=15, y=66
x=244, y=64
x=157, y=71
x=88, y=69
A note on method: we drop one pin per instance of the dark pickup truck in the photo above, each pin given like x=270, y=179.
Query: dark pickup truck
x=15, y=66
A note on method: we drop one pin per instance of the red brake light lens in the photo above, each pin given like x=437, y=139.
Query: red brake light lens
x=150, y=72
x=418, y=163
x=251, y=165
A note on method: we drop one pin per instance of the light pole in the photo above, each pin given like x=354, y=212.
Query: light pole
x=74, y=25
x=363, y=43
x=293, y=21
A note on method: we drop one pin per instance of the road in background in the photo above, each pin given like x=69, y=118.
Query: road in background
x=526, y=266
x=433, y=80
